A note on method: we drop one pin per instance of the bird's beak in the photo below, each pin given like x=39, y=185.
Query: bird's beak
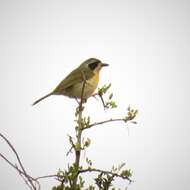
x=104, y=65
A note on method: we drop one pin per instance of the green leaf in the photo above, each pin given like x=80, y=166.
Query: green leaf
x=110, y=96
x=126, y=173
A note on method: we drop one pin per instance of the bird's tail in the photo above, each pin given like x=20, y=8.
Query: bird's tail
x=39, y=100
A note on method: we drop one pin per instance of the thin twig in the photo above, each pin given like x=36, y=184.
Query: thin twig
x=15, y=167
x=26, y=181
x=82, y=93
x=105, y=172
x=101, y=98
x=102, y=122
x=72, y=146
x=23, y=171
x=47, y=176
x=15, y=152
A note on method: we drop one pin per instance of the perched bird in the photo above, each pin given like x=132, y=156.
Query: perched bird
x=72, y=85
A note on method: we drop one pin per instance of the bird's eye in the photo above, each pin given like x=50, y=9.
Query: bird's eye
x=92, y=66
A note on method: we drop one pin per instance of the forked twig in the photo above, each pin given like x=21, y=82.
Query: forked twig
x=27, y=178
x=105, y=172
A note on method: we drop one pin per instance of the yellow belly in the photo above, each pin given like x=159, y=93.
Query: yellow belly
x=90, y=87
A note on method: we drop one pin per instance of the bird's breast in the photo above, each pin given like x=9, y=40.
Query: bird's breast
x=90, y=86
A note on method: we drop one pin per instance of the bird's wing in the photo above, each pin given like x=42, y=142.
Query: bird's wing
x=76, y=76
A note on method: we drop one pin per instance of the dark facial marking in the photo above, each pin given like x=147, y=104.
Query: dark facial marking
x=92, y=66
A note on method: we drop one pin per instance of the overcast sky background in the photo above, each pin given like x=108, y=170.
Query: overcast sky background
x=146, y=43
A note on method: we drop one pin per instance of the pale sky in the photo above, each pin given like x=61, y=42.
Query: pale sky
x=146, y=43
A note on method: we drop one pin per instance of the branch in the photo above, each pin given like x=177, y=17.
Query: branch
x=131, y=114
x=77, y=146
x=15, y=167
x=105, y=172
x=28, y=176
x=28, y=179
x=47, y=176
x=82, y=92
x=101, y=98
x=102, y=122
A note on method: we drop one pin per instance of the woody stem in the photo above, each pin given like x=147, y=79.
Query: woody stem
x=78, y=137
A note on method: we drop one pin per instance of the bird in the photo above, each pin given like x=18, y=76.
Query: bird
x=72, y=85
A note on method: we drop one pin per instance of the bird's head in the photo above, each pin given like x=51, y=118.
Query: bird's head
x=93, y=64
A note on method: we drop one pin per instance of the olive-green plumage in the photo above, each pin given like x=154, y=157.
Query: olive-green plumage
x=71, y=86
